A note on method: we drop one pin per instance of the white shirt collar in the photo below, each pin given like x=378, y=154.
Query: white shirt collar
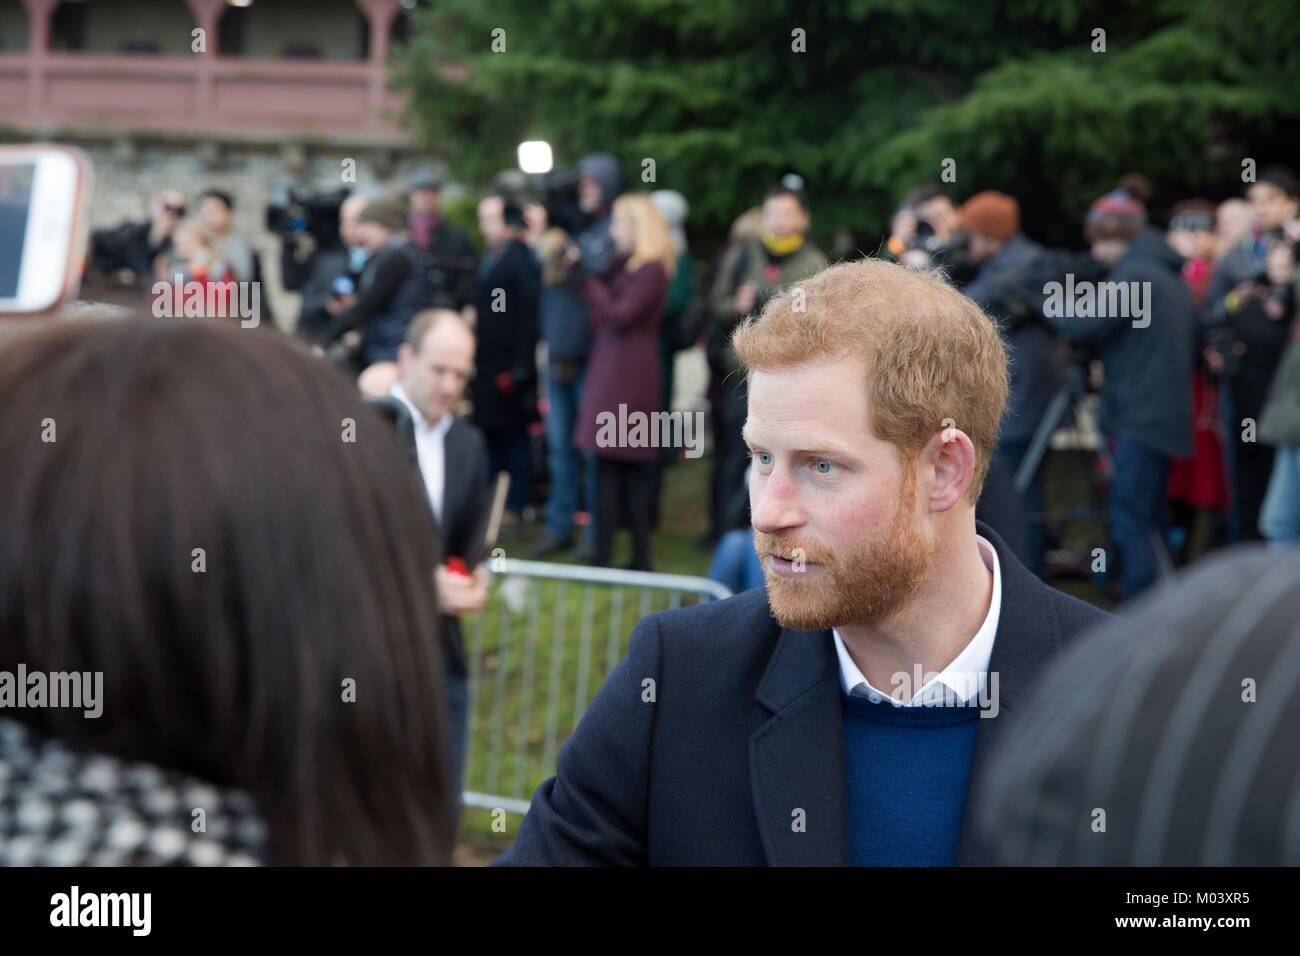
x=430, y=450
x=963, y=679
x=439, y=428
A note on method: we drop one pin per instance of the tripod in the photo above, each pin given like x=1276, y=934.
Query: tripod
x=1073, y=393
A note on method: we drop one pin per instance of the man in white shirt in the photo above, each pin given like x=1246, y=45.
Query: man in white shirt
x=434, y=365
x=743, y=732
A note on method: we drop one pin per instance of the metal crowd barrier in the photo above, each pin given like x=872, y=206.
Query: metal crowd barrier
x=536, y=661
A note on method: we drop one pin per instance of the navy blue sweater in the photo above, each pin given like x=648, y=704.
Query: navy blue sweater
x=906, y=769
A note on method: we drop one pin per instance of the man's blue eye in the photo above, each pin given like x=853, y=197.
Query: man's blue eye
x=763, y=457
x=823, y=467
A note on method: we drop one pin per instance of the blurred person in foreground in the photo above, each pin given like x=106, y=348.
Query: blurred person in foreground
x=504, y=387
x=254, y=592
x=1148, y=339
x=434, y=365
x=1166, y=737
x=892, y=620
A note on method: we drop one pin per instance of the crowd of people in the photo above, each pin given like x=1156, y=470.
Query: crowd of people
x=1199, y=446
x=1197, y=409
x=255, y=584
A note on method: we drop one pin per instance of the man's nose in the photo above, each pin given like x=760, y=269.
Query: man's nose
x=774, y=502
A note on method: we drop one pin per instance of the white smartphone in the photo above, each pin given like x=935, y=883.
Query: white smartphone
x=44, y=194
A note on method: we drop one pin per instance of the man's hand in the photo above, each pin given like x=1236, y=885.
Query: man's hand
x=1213, y=359
x=461, y=594
x=338, y=304
x=746, y=296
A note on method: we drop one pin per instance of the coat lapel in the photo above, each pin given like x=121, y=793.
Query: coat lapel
x=796, y=758
x=1028, y=639
x=454, y=487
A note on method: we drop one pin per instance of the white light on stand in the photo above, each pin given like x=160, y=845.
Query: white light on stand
x=535, y=157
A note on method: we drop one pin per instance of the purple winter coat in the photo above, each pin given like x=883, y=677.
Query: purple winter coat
x=626, y=314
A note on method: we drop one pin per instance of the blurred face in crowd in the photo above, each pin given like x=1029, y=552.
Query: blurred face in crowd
x=425, y=202
x=169, y=207
x=1109, y=251
x=373, y=236
x=1280, y=264
x=982, y=247
x=837, y=524
x=492, y=221
x=783, y=216
x=941, y=214
x=215, y=215
x=434, y=377
x=187, y=241
x=1193, y=243
x=590, y=196
x=1272, y=206
x=622, y=231
x=349, y=220
x=1234, y=219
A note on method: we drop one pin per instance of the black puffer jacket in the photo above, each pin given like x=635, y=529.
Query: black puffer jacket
x=1147, y=395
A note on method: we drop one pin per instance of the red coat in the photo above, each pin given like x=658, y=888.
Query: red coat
x=626, y=314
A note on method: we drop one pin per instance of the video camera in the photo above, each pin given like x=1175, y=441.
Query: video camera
x=559, y=195
x=315, y=213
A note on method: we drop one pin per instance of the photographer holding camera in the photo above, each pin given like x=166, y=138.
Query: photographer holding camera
x=448, y=256
x=392, y=287
x=1005, y=258
x=334, y=255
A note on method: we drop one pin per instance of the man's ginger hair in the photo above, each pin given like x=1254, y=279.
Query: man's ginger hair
x=931, y=353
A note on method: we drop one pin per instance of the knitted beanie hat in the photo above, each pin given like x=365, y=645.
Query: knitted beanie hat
x=991, y=214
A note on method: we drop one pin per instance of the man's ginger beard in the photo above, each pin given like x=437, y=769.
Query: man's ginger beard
x=861, y=588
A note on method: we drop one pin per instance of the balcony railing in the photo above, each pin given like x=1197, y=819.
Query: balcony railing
x=229, y=97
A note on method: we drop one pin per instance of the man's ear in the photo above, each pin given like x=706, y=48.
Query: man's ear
x=951, y=453
x=405, y=355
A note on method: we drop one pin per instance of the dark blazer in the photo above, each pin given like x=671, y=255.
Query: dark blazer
x=744, y=729
x=507, y=340
x=466, y=486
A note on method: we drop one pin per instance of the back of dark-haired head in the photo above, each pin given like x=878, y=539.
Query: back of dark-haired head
x=1177, y=719
x=129, y=445
x=219, y=194
x=798, y=195
x=1136, y=185
x=1282, y=178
